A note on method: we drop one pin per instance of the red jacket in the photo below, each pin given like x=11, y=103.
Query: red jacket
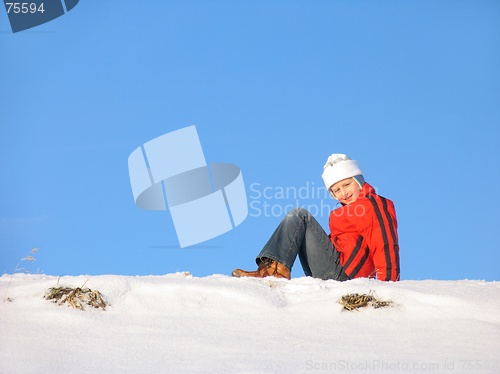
x=365, y=234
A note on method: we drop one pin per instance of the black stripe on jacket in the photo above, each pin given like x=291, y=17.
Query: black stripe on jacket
x=384, y=236
x=353, y=255
x=360, y=263
x=393, y=234
x=354, y=252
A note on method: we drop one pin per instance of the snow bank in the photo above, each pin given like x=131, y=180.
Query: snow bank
x=177, y=323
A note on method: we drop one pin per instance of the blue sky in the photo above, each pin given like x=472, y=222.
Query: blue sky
x=410, y=89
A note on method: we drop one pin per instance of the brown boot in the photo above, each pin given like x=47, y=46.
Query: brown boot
x=267, y=268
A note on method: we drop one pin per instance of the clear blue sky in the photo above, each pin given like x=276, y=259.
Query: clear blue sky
x=410, y=89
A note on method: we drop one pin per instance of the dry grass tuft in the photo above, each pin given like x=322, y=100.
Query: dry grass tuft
x=76, y=297
x=29, y=258
x=354, y=301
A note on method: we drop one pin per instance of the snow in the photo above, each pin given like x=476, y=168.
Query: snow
x=178, y=323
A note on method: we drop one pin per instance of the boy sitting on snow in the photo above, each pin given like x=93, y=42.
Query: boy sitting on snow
x=363, y=241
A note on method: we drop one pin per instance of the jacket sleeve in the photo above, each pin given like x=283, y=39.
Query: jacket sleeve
x=383, y=239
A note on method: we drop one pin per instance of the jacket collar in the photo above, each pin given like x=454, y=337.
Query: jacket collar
x=366, y=190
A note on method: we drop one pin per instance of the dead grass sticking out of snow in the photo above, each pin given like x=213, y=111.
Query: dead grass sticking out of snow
x=354, y=301
x=76, y=297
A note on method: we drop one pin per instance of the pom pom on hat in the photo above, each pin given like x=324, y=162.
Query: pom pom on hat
x=339, y=167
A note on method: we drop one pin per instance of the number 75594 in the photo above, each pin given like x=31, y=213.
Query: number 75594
x=23, y=7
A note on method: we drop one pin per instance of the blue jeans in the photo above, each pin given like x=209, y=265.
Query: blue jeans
x=300, y=234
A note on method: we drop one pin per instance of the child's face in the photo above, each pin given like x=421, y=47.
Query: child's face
x=346, y=191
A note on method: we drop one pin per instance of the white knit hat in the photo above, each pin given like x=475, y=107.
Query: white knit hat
x=339, y=167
